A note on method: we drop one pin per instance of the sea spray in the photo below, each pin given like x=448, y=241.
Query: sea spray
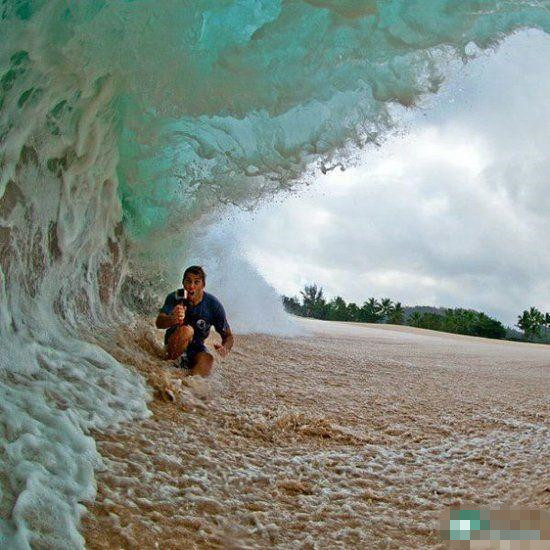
x=122, y=123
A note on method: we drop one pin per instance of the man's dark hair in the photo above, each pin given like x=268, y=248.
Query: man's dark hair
x=195, y=270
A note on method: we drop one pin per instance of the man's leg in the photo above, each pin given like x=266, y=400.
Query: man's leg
x=178, y=341
x=202, y=363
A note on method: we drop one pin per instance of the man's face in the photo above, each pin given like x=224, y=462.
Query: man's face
x=194, y=286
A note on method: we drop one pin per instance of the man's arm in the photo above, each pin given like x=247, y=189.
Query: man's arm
x=227, y=339
x=164, y=321
x=175, y=318
x=227, y=342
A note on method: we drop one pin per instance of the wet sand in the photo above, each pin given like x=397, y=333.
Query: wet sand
x=351, y=436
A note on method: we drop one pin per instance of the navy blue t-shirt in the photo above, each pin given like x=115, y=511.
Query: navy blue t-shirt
x=207, y=313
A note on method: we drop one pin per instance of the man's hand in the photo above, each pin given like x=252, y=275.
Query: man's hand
x=227, y=343
x=178, y=314
x=221, y=349
x=177, y=317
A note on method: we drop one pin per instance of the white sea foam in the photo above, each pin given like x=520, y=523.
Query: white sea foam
x=55, y=384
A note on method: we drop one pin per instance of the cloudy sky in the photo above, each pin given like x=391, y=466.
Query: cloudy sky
x=454, y=213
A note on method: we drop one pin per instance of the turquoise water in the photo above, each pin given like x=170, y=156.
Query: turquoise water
x=124, y=122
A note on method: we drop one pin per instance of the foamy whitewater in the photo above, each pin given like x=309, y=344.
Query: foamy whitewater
x=124, y=128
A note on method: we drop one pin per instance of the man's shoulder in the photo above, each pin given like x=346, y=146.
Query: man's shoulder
x=174, y=295
x=212, y=300
x=171, y=295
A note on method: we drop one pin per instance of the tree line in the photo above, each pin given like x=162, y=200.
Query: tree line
x=312, y=303
x=535, y=325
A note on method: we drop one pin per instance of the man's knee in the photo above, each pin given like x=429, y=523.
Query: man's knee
x=188, y=332
x=203, y=364
x=178, y=341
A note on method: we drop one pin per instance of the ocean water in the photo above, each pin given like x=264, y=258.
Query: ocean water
x=125, y=127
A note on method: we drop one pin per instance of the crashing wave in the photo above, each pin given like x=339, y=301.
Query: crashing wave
x=121, y=124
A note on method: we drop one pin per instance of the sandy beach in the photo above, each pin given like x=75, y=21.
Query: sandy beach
x=349, y=436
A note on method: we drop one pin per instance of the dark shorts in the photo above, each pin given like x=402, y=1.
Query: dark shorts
x=192, y=349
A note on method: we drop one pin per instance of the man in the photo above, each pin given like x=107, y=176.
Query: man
x=188, y=313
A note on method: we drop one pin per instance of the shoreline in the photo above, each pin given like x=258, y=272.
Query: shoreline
x=422, y=331
x=342, y=435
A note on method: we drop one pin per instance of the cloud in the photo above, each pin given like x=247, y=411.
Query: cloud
x=454, y=213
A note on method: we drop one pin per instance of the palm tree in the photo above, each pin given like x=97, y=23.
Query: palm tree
x=538, y=320
x=354, y=313
x=531, y=322
x=386, y=307
x=397, y=313
x=337, y=310
x=415, y=319
x=313, y=301
x=525, y=324
x=546, y=325
x=370, y=312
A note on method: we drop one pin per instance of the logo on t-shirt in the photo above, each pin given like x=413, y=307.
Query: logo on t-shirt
x=202, y=324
